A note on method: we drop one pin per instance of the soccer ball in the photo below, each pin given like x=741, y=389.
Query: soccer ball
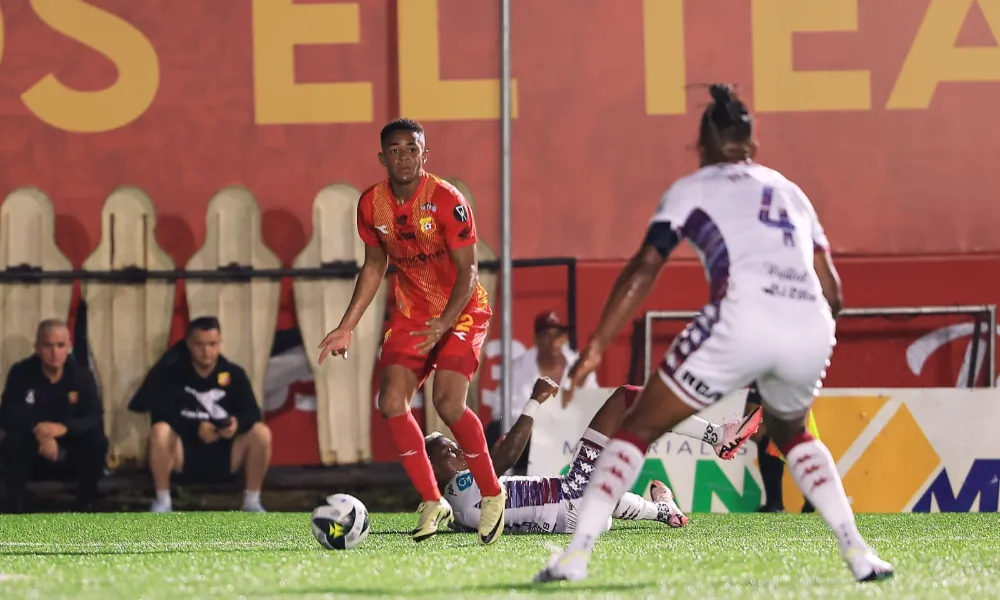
x=341, y=523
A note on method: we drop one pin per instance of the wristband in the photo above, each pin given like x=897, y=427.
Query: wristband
x=530, y=408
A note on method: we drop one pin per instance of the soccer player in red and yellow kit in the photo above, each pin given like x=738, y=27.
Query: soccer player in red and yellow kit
x=425, y=227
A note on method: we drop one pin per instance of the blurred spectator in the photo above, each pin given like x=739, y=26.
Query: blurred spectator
x=206, y=421
x=550, y=357
x=53, y=421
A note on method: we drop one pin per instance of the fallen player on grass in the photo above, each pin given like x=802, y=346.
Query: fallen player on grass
x=549, y=503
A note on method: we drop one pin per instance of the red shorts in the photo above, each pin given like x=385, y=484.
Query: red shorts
x=458, y=350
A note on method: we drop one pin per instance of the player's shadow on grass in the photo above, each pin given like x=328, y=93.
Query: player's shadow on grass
x=537, y=588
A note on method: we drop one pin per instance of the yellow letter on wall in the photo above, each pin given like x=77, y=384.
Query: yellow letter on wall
x=423, y=94
x=777, y=86
x=934, y=57
x=2, y=32
x=115, y=38
x=663, y=34
x=278, y=25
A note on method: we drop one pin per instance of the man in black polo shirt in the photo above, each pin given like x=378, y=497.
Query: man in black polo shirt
x=53, y=421
x=206, y=422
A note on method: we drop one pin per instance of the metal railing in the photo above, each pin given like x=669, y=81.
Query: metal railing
x=989, y=311
x=236, y=273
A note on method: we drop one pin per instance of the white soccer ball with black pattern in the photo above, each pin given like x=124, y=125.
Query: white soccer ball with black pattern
x=341, y=523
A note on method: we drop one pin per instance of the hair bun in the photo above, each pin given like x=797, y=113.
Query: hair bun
x=722, y=93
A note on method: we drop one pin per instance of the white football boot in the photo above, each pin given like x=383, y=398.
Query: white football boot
x=736, y=433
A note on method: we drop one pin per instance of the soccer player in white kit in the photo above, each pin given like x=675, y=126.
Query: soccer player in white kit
x=774, y=294
x=550, y=503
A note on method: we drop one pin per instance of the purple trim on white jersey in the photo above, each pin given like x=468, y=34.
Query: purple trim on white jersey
x=532, y=491
x=704, y=234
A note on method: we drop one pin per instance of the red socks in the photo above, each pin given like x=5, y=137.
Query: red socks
x=469, y=434
x=468, y=430
x=409, y=440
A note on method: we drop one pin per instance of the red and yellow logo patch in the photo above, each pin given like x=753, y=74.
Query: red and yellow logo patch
x=427, y=225
x=223, y=378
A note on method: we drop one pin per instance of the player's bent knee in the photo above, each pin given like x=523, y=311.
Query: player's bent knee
x=161, y=435
x=397, y=388
x=260, y=434
x=450, y=406
x=392, y=405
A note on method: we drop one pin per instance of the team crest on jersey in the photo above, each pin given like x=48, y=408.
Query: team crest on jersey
x=427, y=225
x=223, y=378
x=464, y=481
x=74, y=397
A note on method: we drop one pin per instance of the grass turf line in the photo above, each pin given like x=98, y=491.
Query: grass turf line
x=236, y=555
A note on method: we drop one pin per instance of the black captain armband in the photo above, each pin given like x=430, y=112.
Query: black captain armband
x=661, y=235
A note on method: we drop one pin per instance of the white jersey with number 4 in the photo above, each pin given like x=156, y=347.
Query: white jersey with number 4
x=766, y=320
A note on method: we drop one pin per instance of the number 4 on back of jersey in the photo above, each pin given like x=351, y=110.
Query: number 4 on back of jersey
x=782, y=222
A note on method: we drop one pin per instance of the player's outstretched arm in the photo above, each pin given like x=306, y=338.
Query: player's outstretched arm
x=509, y=449
x=628, y=292
x=829, y=280
x=369, y=280
x=372, y=272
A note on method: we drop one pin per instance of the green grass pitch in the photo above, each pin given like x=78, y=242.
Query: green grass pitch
x=236, y=555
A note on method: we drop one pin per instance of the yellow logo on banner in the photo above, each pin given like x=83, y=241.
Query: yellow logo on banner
x=892, y=462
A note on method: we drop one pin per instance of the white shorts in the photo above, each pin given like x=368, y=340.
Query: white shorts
x=785, y=349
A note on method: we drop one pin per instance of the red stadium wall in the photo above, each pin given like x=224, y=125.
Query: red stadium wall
x=877, y=108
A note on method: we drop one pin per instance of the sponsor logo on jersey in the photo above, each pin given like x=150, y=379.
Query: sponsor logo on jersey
x=464, y=481
x=429, y=207
x=421, y=258
x=786, y=273
x=700, y=387
x=788, y=291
